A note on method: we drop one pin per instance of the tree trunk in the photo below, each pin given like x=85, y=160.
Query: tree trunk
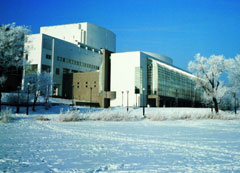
x=46, y=104
x=0, y=100
x=235, y=104
x=215, y=104
x=34, y=103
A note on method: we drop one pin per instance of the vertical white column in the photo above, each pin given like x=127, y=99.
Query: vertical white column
x=52, y=66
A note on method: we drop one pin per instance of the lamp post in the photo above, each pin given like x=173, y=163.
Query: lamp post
x=0, y=100
x=127, y=100
x=90, y=96
x=27, y=110
x=122, y=98
x=176, y=97
x=143, y=104
x=175, y=87
x=235, y=103
x=72, y=95
x=18, y=88
x=136, y=99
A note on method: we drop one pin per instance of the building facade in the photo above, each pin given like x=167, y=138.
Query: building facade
x=90, y=88
x=67, y=49
x=151, y=79
x=84, y=68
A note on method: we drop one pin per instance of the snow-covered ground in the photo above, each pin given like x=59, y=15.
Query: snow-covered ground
x=182, y=143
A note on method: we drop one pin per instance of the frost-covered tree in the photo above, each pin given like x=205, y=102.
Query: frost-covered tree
x=12, y=40
x=208, y=72
x=39, y=84
x=32, y=82
x=234, y=74
x=234, y=79
x=45, y=86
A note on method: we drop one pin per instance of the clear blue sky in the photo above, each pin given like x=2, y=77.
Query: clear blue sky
x=175, y=28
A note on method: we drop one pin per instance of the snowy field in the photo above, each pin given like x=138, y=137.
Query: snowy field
x=182, y=143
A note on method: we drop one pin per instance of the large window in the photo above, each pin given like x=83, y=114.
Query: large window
x=46, y=68
x=48, y=56
x=138, y=80
x=31, y=68
x=57, y=71
x=66, y=71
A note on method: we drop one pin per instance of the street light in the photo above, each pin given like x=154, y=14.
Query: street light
x=176, y=97
x=194, y=99
x=175, y=87
x=136, y=92
x=122, y=98
x=72, y=95
x=90, y=96
x=143, y=104
x=235, y=103
x=127, y=100
x=136, y=99
x=28, y=84
x=0, y=100
x=18, y=88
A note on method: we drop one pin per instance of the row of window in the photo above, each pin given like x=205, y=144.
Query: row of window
x=33, y=69
x=47, y=68
x=179, y=93
x=89, y=48
x=86, y=84
x=75, y=62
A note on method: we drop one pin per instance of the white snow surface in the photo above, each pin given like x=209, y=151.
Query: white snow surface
x=182, y=143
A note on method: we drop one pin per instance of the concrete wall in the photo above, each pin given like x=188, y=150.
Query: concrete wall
x=84, y=89
x=34, y=49
x=72, y=32
x=123, y=77
x=83, y=82
x=86, y=33
x=100, y=38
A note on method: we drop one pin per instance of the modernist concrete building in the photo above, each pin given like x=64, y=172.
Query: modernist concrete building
x=67, y=49
x=144, y=78
x=84, y=68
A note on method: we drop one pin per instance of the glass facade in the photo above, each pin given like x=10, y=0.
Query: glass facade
x=169, y=82
x=138, y=80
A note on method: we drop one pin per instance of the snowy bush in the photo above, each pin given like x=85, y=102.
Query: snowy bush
x=189, y=114
x=115, y=115
x=153, y=114
x=70, y=115
x=104, y=115
x=6, y=116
